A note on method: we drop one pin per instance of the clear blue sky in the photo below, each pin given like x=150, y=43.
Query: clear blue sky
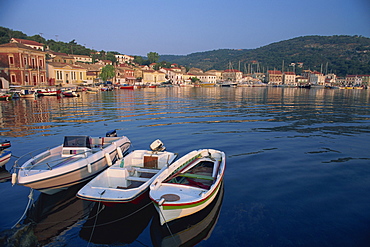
x=136, y=27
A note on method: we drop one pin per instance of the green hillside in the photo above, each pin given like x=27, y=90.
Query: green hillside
x=341, y=55
x=338, y=54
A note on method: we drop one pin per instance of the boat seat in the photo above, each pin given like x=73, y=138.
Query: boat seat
x=199, y=176
x=146, y=170
x=138, y=179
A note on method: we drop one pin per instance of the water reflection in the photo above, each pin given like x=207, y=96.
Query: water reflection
x=190, y=230
x=5, y=176
x=120, y=224
x=170, y=106
x=52, y=214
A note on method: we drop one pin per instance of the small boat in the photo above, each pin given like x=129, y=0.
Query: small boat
x=5, y=96
x=5, y=154
x=129, y=178
x=48, y=92
x=70, y=94
x=28, y=94
x=308, y=86
x=188, y=185
x=126, y=86
x=78, y=159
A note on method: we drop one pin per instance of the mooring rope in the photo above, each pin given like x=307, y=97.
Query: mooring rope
x=124, y=217
x=30, y=198
x=96, y=219
x=168, y=227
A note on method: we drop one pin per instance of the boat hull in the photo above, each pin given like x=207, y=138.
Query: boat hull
x=68, y=171
x=176, y=199
x=5, y=157
x=170, y=212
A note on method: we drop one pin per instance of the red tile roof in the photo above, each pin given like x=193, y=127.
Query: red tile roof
x=28, y=42
x=276, y=72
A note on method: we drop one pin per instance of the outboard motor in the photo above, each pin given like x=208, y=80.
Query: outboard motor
x=157, y=145
x=111, y=133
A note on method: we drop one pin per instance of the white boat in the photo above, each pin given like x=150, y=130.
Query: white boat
x=5, y=154
x=78, y=159
x=188, y=185
x=129, y=178
x=27, y=94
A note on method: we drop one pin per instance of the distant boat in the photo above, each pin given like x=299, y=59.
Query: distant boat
x=206, y=84
x=308, y=86
x=70, y=94
x=78, y=159
x=5, y=96
x=189, y=185
x=47, y=92
x=129, y=178
x=28, y=94
x=126, y=86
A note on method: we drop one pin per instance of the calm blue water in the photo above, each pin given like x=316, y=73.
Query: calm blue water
x=298, y=163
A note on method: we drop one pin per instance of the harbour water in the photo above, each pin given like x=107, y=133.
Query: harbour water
x=298, y=165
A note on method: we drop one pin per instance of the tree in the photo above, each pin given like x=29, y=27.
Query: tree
x=153, y=57
x=194, y=79
x=139, y=60
x=107, y=72
x=110, y=56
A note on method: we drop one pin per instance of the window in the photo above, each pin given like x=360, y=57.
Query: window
x=11, y=60
x=13, y=78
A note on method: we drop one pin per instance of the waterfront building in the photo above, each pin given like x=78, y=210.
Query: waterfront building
x=289, y=78
x=174, y=75
x=62, y=74
x=301, y=80
x=316, y=78
x=125, y=75
x=216, y=73
x=353, y=80
x=23, y=65
x=153, y=77
x=330, y=79
x=232, y=75
x=365, y=79
x=274, y=77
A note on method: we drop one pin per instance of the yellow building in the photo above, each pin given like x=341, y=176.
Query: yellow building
x=153, y=76
x=62, y=74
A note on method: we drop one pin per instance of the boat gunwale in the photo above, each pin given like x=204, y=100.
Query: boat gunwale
x=206, y=192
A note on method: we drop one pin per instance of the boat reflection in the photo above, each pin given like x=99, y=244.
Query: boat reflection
x=5, y=176
x=190, y=230
x=52, y=214
x=118, y=224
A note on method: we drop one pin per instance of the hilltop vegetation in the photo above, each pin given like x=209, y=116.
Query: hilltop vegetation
x=338, y=54
x=341, y=54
